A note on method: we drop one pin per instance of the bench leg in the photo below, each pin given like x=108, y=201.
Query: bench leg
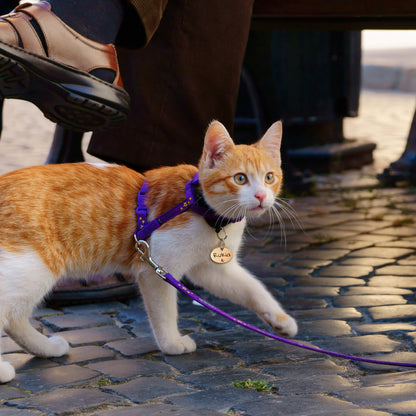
x=66, y=147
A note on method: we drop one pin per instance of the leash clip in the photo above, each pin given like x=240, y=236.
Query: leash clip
x=144, y=249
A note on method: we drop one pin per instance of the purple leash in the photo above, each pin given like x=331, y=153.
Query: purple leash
x=145, y=229
x=144, y=249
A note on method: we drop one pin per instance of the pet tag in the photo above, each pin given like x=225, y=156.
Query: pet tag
x=221, y=254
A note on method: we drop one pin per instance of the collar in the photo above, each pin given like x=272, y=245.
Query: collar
x=194, y=200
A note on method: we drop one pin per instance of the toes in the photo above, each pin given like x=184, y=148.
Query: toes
x=281, y=323
x=7, y=372
x=182, y=345
x=58, y=346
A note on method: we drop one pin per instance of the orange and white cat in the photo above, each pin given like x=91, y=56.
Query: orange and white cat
x=79, y=219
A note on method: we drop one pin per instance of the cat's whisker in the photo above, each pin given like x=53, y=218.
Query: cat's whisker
x=289, y=212
x=277, y=214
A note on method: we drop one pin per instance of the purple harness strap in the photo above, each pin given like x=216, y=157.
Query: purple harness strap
x=145, y=229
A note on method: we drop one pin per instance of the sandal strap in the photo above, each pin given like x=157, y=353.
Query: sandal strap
x=86, y=55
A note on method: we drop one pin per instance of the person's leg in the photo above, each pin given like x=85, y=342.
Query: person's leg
x=186, y=76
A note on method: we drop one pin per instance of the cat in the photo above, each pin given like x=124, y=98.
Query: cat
x=79, y=219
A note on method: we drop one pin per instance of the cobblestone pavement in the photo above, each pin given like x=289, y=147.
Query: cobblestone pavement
x=345, y=269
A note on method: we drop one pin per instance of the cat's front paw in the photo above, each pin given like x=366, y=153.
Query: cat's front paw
x=181, y=345
x=7, y=372
x=58, y=346
x=281, y=323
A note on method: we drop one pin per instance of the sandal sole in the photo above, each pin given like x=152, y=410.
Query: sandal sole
x=73, y=99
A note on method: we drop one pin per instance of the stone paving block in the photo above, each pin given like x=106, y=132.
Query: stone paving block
x=140, y=329
x=346, y=271
x=308, y=263
x=323, y=254
x=148, y=388
x=24, y=361
x=17, y=412
x=94, y=335
x=376, y=290
x=76, y=321
x=220, y=399
x=348, y=244
x=155, y=410
x=224, y=338
x=269, y=352
x=393, y=281
x=221, y=378
x=62, y=401
x=368, y=300
x=379, y=396
x=382, y=252
x=315, y=384
x=403, y=408
x=328, y=313
x=404, y=243
x=101, y=307
x=401, y=312
x=42, y=312
x=383, y=328
x=134, y=346
x=8, y=345
x=360, y=344
x=304, y=303
x=368, y=261
x=312, y=291
x=118, y=370
x=200, y=359
x=130, y=315
x=310, y=405
x=391, y=374
x=318, y=366
x=409, y=261
x=328, y=328
x=8, y=392
x=374, y=238
x=399, y=270
x=329, y=281
x=88, y=353
x=397, y=232
x=41, y=380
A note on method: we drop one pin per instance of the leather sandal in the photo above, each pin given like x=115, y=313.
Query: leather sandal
x=44, y=61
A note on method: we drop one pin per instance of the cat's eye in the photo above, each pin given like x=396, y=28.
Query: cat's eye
x=269, y=178
x=240, y=179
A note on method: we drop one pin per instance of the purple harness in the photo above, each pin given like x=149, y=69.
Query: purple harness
x=193, y=201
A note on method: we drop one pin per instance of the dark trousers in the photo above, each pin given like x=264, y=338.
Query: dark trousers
x=186, y=76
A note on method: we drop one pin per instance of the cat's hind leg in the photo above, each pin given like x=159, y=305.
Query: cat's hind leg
x=34, y=342
x=7, y=372
x=24, y=281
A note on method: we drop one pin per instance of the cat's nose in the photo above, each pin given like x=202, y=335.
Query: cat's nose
x=261, y=196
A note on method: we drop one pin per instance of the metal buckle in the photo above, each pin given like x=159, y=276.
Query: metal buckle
x=144, y=249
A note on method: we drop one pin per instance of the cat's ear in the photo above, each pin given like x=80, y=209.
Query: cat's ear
x=217, y=142
x=272, y=140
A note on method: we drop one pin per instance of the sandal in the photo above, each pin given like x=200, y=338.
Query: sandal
x=44, y=61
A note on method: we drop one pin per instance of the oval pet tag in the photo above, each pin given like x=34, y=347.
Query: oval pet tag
x=221, y=255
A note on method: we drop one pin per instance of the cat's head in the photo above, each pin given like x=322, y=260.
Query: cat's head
x=240, y=180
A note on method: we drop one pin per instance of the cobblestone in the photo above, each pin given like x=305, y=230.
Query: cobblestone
x=348, y=277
